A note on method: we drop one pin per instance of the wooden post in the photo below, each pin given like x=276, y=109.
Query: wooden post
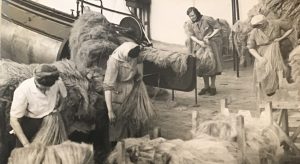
x=195, y=116
x=156, y=132
x=122, y=152
x=241, y=139
x=268, y=110
x=224, y=108
x=285, y=126
x=173, y=95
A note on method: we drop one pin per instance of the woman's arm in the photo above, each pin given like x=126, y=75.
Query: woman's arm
x=212, y=34
x=14, y=122
x=109, y=84
x=201, y=43
x=254, y=53
x=287, y=33
x=108, y=100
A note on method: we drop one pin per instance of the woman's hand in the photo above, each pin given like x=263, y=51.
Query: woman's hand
x=26, y=145
x=262, y=60
x=277, y=39
x=111, y=116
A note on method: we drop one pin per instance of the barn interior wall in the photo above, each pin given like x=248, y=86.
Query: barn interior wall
x=167, y=17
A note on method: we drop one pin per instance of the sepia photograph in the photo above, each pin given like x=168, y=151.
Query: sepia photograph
x=150, y=82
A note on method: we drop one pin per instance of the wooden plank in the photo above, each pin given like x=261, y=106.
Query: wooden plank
x=241, y=139
x=280, y=117
x=295, y=134
x=290, y=105
x=284, y=137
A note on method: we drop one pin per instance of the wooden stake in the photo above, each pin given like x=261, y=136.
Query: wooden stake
x=156, y=132
x=195, y=116
x=241, y=139
x=269, y=111
x=224, y=109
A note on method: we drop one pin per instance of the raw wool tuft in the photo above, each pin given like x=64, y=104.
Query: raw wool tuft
x=205, y=61
x=52, y=131
x=218, y=126
x=65, y=153
x=267, y=72
x=92, y=39
x=13, y=73
x=163, y=58
x=73, y=153
x=137, y=108
x=294, y=60
x=34, y=154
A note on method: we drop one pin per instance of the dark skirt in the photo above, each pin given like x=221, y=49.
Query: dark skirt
x=30, y=127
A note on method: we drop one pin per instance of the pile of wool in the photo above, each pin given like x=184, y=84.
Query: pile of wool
x=262, y=142
x=137, y=109
x=203, y=150
x=65, y=153
x=218, y=126
x=93, y=39
x=78, y=101
x=52, y=130
x=294, y=60
x=164, y=58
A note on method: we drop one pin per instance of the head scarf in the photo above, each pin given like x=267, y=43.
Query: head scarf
x=258, y=19
x=46, y=71
x=121, y=53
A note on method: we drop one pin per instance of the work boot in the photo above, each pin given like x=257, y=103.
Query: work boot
x=204, y=91
x=213, y=91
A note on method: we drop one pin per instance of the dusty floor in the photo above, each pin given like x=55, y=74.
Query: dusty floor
x=174, y=117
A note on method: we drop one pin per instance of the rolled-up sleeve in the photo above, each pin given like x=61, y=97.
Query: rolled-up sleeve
x=111, y=74
x=19, y=104
x=62, y=88
x=251, y=44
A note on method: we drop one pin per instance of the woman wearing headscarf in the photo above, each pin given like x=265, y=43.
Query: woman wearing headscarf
x=34, y=99
x=263, y=44
x=120, y=75
x=207, y=40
